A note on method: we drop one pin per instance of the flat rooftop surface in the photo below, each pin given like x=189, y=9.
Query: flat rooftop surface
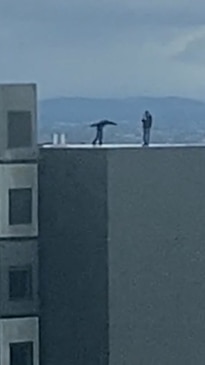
x=113, y=146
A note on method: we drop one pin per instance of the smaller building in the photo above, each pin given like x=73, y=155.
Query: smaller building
x=19, y=293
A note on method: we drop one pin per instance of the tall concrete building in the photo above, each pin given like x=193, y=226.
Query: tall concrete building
x=120, y=248
x=18, y=226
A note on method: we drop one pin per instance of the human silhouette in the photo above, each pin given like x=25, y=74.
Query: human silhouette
x=99, y=134
x=147, y=124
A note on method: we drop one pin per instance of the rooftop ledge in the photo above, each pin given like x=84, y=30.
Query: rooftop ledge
x=118, y=146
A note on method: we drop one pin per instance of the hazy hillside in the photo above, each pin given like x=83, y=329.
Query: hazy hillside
x=175, y=119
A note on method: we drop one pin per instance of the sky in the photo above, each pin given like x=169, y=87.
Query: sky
x=104, y=48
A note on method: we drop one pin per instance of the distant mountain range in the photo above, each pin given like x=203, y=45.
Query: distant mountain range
x=175, y=119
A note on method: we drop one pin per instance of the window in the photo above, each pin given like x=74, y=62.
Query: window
x=20, y=206
x=19, y=121
x=20, y=282
x=21, y=353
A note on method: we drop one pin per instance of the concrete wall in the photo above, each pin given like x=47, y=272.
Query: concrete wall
x=18, y=151
x=73, y=257
x=156, y=209
x=18, y=176
x=18, y=253
x=17, y=97
x=148, y=205
x=18, y=330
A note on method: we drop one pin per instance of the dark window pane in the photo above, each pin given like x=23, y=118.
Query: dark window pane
x=19, y=129
x=20, y=206
x=20, y=283
x=21, y=353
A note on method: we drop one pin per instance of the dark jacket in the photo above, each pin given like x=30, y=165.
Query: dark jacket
x=147, y=121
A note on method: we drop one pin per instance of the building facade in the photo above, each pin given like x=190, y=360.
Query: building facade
x=110, y=239
x=122, y=255
x=19, y=299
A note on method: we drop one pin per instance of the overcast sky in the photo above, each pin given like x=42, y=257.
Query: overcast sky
x=106, y=48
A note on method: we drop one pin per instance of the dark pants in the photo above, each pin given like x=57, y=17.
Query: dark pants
x=99, y=137
x=146, y=136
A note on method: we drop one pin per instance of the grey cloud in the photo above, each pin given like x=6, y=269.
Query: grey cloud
x=86, y=23
x=104, y=14
x=76, y=42
x=194, y=52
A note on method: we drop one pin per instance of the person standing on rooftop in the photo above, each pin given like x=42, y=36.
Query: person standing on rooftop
x=146, y=124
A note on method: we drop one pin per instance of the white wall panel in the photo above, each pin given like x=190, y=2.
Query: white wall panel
x=18, y=330
x=18, y=253
x=17, y=97
x=15, y=176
